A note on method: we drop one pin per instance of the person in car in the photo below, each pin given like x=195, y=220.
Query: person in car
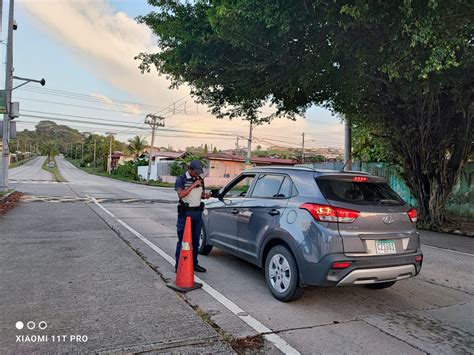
x=190, y=189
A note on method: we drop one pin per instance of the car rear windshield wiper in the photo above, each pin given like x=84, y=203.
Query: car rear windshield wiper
x=388, y=201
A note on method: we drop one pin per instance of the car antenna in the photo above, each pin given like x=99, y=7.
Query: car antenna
x=348, y=160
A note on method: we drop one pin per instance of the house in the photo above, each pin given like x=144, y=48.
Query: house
x=160, y=156
x=227, y=166
x=160, y=164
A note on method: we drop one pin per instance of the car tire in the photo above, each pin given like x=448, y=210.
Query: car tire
x=381, y=285
x=281, y=274
x=204, y=249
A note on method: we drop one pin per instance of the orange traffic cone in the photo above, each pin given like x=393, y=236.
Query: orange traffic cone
x=185, y=274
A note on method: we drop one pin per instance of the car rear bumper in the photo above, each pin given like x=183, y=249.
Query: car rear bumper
x=382, y=274
x=363, y=270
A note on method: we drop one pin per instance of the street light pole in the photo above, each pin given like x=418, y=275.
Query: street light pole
x=8, y=93
x=154, y=121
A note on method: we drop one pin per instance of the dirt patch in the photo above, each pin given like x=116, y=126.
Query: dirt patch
x=248, y=344
x=8, y=202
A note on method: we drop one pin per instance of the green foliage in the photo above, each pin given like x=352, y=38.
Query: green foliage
x=126, y=170
x=403, y=66
x=179, y=167
x=315, y=159
x=49, y=149
x=370, y=145
x=136, y=146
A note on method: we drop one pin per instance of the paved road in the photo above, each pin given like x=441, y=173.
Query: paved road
x=428, y=314
x=102, y=187
x=31, y=170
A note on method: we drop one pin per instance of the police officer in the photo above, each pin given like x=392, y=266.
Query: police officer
x=190, y=189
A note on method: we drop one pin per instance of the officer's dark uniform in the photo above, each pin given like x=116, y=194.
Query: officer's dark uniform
x=191, y=206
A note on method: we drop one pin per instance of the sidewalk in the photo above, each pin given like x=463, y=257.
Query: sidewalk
x=62, y=265
x=448, y=241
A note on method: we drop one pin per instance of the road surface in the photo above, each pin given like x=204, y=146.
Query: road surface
x=431, y=313
x=31, y=170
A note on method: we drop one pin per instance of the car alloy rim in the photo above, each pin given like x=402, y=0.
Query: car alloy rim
x=201, y=238
x=279, y=273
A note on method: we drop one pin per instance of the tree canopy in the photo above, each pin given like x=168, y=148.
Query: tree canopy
x=404, y=67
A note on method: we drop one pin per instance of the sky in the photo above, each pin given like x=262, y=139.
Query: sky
x=85, y=50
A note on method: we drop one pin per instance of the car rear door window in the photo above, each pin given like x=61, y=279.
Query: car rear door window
x=359, y=193
x=268, y=186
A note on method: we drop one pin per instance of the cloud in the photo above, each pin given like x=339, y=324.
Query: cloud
x=101, y=97
x=106, y=41
x=133, y=109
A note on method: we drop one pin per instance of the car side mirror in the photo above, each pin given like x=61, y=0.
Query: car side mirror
x=215, y=193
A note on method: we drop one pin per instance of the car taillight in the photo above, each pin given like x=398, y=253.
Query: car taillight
x=360, y=179
x=326, y=213
x=418, y=258
x=412, y=215
x=341, y=264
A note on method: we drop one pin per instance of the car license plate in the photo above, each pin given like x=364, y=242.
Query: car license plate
x=385, y=247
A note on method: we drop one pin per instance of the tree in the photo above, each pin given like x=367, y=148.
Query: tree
x=206, y=149
x=136, y=146
x=49, y=149
x=179, y=166
x=370, y=145
x=403, y=66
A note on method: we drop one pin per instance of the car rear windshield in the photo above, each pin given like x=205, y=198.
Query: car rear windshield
x=359, y=193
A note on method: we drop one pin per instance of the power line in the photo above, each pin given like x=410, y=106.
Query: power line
x=79, y=106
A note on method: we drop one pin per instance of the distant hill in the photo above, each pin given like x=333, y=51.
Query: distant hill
x=46, y=131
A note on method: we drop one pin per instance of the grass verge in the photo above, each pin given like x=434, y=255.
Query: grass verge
x=55, y=171
x=4, y=193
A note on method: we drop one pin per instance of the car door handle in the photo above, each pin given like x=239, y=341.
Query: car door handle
x=235, y=211
x=274, y=212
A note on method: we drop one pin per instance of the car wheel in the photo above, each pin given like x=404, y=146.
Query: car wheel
x=281, y=274
x=381, y=285
x=204, y=249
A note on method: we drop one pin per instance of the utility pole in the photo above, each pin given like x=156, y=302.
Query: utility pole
x=95, y=150
x=8, y=97
x=154, y=121
x=249, y=144
x=237, y=145
x=347, y=144
x=302, y=150
x=109, y=160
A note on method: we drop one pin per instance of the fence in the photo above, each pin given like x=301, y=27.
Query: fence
x=162, y=168
x=460, y=204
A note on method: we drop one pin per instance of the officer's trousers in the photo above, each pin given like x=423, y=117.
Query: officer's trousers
x=196, y=221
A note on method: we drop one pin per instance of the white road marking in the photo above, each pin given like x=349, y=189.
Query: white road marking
x=452, y=251
x=259, y=327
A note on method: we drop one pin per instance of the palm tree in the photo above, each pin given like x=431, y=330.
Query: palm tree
x=136, y=146
x=49, y=149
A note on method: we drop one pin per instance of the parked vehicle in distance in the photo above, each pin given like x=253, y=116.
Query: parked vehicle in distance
x=307, y=227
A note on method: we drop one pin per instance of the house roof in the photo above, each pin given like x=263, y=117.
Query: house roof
x=169, y=155
x=253, y=160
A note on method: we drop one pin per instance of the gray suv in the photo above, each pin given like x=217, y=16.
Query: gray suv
x=308, y=227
